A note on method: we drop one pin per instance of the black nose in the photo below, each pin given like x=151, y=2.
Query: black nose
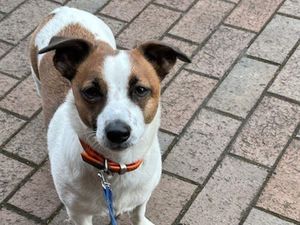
x=117, y=132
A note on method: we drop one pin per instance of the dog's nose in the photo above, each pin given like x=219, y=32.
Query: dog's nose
x=117, y=132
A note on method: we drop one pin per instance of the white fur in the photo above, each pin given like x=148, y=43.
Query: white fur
x=76, y=182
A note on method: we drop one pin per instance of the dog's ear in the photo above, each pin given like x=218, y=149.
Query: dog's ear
x=69, y=53
x=162, y=56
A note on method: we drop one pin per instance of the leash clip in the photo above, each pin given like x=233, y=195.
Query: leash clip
x=103, y=179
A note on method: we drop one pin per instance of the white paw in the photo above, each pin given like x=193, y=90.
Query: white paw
x=145, y=222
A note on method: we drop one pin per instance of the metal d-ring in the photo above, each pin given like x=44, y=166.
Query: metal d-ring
x=123, y=168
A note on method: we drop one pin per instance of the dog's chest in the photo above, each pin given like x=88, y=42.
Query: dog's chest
x=128, y=192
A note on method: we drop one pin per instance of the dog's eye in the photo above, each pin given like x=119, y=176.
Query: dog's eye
x=141, y=91
x=91, y=94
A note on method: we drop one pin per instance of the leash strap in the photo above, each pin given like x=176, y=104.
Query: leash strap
x=109, y=202
x=108, y=196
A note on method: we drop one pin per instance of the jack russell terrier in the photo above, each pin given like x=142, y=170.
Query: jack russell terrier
x=103, y=110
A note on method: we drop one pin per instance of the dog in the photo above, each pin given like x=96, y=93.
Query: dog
x=102, y=110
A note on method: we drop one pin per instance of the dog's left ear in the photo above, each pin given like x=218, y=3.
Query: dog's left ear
x=69, y=54
x=162, y=56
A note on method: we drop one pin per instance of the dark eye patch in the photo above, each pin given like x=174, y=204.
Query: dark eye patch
x=92, y=93
x=141, y=91
x=138, y=91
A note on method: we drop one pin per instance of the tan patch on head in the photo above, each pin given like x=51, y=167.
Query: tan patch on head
x=146, y=76
x=33, y=52
x=54, y=87
x=77, y=31
x=89, y=73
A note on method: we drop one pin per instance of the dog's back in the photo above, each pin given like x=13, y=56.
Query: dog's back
x=64, y=22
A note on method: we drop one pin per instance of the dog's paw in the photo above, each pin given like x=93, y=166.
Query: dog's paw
x=68, y=222
x=146, y=222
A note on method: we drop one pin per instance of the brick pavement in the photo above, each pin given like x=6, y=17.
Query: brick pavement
x=230, y=130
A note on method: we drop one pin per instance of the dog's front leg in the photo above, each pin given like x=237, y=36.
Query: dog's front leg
x=138, y=216
x=80, y=219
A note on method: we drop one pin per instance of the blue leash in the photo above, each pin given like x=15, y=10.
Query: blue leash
x=108, y=196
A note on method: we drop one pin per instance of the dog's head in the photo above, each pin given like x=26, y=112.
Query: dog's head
x=116, y=92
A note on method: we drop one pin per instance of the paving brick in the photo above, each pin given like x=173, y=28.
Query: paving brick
x=30, y=143
x=60, y=1
x=257, y=217
x=242, y=87
x=165, y=198
x=287, y=82
x=252, y=14
x=8, y=126
x=124, y=10
x=90, y=6
x=7, y=6
x=4, y=48
x=115, y=25
x=201, y=20
x=176, y=4
x=12, y=173
x=61, y=218
x=145, y=26
x=16, y=62
x=277, y=39
x=291, y=7
x=24, y=19
x=23, y=99
x=12, y=218
x=38, y=195
x=226, y=195
x=6, y=83
x=267, y=131
x=185, y=47
x=220, y=51
x=165, y=140
x=182, y=98
x=201, y=145
x=281, y=195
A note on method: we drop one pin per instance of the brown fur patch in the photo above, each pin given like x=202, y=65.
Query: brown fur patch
x=55, y=87
x=144, y=72
x=33, y=52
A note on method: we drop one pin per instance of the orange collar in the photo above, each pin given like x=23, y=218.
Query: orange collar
x=90, y=156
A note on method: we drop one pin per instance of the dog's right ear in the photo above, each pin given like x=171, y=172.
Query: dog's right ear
x=69, y=53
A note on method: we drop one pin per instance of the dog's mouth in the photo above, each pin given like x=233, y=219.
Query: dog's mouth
x=117, y=147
